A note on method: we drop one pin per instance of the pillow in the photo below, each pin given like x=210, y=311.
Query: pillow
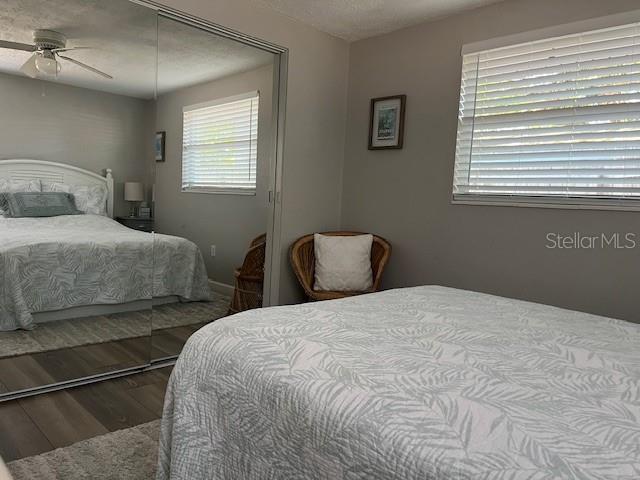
x=13, y=186
x=89, y=199
x=343, y=264
x=40, y=204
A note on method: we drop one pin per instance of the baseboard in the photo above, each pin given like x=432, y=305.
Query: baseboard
x=220, y=287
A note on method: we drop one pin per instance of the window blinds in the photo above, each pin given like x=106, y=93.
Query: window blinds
x=552, y=119
x=220, y=144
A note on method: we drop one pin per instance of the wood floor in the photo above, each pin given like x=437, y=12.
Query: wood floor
x=34, y=425
x=45, y=368
x=37, y=424
x=168, y=342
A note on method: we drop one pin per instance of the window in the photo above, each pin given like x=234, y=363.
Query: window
x=553, y=121
x=220, y=145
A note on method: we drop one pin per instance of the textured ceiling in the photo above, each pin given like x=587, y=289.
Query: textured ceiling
x=358, y=19
x=123, y=40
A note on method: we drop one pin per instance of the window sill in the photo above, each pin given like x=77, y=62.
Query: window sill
x=564, y=204
x=221, y=191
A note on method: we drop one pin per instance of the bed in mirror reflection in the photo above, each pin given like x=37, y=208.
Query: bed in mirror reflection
x=83, y=295
x=78, y=287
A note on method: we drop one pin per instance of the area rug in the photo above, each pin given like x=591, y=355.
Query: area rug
x=107, y=328
x=129, y=454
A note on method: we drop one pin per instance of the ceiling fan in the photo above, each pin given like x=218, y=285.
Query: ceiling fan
x=47, y=48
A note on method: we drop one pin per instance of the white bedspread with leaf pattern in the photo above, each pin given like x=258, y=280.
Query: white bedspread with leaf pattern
x=417, y=383
x=61, y=262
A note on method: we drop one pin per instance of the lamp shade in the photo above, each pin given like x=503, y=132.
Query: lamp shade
x=133, y=192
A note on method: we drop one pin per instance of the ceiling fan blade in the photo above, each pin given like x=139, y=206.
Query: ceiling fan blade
x=68, y=49
x=17, y=46
x=29, y=67
x=87, y=67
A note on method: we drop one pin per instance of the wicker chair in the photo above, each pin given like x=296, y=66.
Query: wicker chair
x=303, y=261
x=250, y=278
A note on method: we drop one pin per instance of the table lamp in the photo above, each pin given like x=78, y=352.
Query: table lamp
x=133, y=192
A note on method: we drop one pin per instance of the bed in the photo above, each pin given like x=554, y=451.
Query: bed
x=417, y=383
x=59, y=264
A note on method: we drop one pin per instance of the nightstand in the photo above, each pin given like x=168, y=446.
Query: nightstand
x=137, y=223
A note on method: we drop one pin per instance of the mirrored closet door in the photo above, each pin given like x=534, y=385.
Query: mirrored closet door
x=213, y=162
x=77, y=89
x=136, y=157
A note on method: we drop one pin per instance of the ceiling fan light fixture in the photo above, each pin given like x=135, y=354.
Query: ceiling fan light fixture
x=47, y=65
x=47, y=48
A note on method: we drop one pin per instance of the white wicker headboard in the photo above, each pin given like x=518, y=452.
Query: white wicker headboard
x=25, y=169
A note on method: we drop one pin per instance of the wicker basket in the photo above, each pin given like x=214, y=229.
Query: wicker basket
x=249, y=278
x=303, y=261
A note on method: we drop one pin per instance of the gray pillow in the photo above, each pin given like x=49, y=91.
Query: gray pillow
x=40, y=204
x=4, y=207
x=13, y=186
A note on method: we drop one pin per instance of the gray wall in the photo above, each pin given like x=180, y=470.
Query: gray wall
x=316, y=109
x=228, y=221
x=76, y=126
x=405, y=195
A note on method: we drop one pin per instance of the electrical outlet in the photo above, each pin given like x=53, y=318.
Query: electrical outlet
x=213, y=250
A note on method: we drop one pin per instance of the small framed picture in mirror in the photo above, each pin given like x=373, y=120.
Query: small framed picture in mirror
x=386, y=123
x=160, y=141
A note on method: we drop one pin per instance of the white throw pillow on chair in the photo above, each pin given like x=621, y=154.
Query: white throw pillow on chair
x=343, y=263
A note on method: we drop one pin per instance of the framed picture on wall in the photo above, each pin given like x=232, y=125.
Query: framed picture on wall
x=386, y=123
x=160, y=141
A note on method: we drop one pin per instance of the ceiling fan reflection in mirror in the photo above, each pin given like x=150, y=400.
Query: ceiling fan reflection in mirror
x=47, y=48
